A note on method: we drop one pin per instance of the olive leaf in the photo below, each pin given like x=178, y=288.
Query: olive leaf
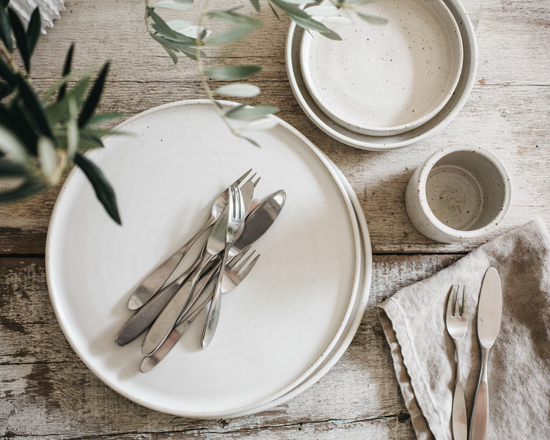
x=372, y=19
x=93, y=98
x=239, y=90
x=5, y=30
x=66, y=71
x=231, y=73
x=103, y=189
x=256, y=4
x=250, y=113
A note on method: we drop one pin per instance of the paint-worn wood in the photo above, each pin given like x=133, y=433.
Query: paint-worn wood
x=47, y=392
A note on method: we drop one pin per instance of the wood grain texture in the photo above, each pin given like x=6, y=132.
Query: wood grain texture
x=46, y=392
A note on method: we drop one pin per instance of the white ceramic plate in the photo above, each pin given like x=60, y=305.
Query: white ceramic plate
x=283, y=321
x=352, y=325
x=385, y=79
x=368, y=142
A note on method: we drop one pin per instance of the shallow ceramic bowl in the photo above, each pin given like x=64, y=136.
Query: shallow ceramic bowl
x=458, y=194
x=389, y=142
x=386, y=79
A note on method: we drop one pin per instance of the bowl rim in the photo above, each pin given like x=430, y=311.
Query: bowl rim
x=427, y=167
x=454, y=43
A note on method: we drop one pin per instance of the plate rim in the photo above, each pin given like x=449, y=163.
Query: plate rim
x=458, y=11
x=354, y=230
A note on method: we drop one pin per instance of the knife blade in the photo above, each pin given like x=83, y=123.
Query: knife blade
x=489, y=317
x=157, y=279
x=257, y=223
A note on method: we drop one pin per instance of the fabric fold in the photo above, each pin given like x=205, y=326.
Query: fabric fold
x=423, y=353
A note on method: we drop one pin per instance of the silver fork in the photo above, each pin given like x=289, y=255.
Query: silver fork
x=177, y=306
x=456, y=319
x=235, y=227
x=234, y=275
x=156, y=280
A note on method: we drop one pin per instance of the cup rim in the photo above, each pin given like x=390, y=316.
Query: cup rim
x=427, y=167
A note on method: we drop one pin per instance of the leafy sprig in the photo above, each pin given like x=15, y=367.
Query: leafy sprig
x=184, y=37
x=40, y=136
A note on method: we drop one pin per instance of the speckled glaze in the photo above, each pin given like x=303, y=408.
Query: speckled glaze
x=458, y=194
x=386, y=79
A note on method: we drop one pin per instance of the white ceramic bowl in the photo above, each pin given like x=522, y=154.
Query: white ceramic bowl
x=385, y=79
x=389, y=142
x=458, y=194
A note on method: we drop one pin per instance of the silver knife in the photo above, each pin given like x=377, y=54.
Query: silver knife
x=257, y=223
x=489, y=316
x=156, y=280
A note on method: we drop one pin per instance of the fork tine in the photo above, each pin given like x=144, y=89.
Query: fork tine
x=248, y=268
x=457, y=301
x=238, y=257
x=241, y=179
x=450, y=303
x=464, y=309
x=257, y=180
x=245, y=260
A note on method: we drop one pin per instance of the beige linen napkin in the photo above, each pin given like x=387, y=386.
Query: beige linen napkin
x=519, y=366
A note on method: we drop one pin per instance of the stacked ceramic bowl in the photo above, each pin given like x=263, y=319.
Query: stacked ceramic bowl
x=393, y=80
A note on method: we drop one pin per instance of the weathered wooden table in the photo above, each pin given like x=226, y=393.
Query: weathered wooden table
x=47, y=392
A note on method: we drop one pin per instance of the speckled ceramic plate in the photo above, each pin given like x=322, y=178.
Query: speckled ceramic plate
x=369, y=142
x=284, y=321
x=390, y=78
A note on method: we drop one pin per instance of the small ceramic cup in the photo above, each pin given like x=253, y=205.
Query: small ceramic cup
x=458, y=194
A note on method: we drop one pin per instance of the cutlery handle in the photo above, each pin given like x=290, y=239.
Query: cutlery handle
x=144, y=316
x=156, y=280
x=165, y=322
x=213, y=316
x=150, y=362
x=480, y=412
x=459, y=419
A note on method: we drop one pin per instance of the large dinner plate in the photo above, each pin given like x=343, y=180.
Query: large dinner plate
x=280, y=325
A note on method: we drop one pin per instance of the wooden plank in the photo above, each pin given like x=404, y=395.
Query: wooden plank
x=46, y=391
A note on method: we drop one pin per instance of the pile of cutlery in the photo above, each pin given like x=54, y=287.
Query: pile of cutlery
x=489, y=316
x=166, y=308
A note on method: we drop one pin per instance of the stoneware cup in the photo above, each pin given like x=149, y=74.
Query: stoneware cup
x=458, y=194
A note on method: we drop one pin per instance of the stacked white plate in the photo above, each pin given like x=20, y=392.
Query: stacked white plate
x=280, y=331
x=390, y=85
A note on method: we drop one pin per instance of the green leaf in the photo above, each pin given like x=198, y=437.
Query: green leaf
x=256, y=4
x=167, y=46
x=72, y=129
x=302, y=18
x=162, y=28
x=230, y=36
x=34, y=108
x=192, y=53
x=89, y=143
x=33, y=30
x=274, y=11
x=6, y=73
x=240, y=90
x=47, y=156
x=59, y=111
x=19, y=123
x=252, y=141
x=27, y=189
x=372, y=19
x=5, y=89
x=178, y=25
x=9, y=168
x=4, y=3
x=177, y=5
x=5, y=30
x=329, y=33
x=231, y=73
x=66, y=71
x=103, y=189
x=251, y=113
x=260, y=124
x=21, y=37
x=235, y=19
x=93, y=98
x=12, y=147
